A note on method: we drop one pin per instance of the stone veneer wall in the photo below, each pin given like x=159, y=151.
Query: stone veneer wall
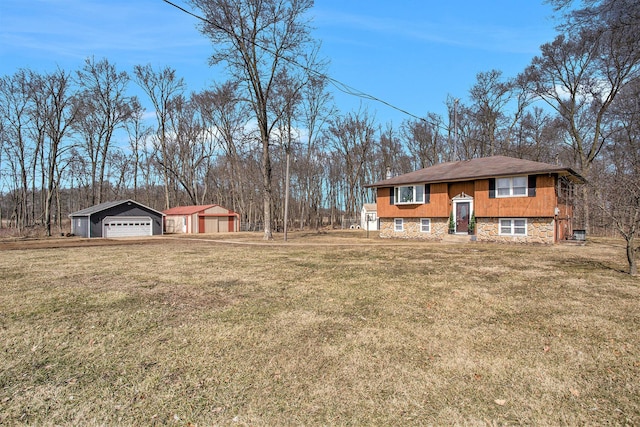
x=439, y=227
x=539, y=230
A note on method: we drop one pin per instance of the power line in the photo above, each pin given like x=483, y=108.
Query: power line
x=342, y=87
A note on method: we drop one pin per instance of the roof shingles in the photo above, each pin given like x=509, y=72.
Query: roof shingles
x=480, y=168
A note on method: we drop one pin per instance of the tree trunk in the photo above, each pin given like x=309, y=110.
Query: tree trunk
x=266, y=182
x=631, y=256
x=286, y=194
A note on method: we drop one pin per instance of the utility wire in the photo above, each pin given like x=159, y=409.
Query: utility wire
x=342, y=87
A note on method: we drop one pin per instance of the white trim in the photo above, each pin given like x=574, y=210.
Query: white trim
x=127, y=221
x=512, y=227
x=418, y=189
x=461, y=198
x=511, y=187
x=422, y=230
x=395, y=225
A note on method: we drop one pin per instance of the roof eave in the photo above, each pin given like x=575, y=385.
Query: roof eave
x=573, y=175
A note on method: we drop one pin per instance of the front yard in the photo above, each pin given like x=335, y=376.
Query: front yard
x=324, y=330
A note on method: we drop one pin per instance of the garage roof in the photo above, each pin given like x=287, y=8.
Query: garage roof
x=187, y=210
x=107, y=205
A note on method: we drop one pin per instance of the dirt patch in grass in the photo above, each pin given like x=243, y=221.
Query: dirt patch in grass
x=320, y=330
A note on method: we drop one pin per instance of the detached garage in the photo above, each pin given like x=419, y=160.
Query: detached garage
x=123, y=218
x=201, y=219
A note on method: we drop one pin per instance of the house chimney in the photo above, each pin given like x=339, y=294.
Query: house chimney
x=389, y=173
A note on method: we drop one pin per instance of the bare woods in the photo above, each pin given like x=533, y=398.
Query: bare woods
x=269, y=142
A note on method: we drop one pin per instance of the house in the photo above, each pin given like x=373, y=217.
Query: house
x=499, y=199
x=369, y=217
x=201, y=219
x=122, y=218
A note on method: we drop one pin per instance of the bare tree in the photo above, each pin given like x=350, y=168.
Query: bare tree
x=104, y=107
x=257, y=40
x=138, y=134
x=315, y=110
x=189, y=149
x=462, y=131
x=352, y=137
x=59, y=114
x=618, y=184
x=618, y=192
x=286, y=101
x=15, y=98
x=536, y=136
x=620, y=14
x=162, y=87
x=228, y=119
x=581, y=73
x=425, y=143
x=490, y=95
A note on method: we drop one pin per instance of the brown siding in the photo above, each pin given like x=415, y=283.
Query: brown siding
x=542, y=205
x=457, y=188
x=437, y=207
x=564, y=227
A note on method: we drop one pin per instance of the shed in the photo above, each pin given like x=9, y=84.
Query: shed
x=369, y=217
x=201, y=219
x=122, y=218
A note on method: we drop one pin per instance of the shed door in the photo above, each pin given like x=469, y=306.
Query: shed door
x=127, y=226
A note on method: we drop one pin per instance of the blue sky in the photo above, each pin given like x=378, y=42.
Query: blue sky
x=410, y=53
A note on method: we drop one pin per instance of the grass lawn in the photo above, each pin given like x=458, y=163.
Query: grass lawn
x=330, y=329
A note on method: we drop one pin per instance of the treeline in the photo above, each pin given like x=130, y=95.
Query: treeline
x=73, y=138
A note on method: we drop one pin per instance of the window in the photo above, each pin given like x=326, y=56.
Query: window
x=513, y=227
x=398, y=224
x=511, y=187
x=425, y=225
x=409, y=194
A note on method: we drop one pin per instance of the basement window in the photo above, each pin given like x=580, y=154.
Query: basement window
x=513, y=227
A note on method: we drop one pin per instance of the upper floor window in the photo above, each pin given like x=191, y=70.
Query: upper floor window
x=511, y=187
x=410, y=194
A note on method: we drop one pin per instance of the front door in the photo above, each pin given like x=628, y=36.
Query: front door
x=462, y=217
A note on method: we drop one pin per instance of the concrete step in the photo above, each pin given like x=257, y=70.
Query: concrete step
x=456, y=238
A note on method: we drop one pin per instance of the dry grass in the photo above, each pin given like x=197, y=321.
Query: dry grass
x=328, y=329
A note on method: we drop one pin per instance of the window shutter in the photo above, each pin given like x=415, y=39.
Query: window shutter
x=492, y=188
x=391, y=195
x=532, y=186
x=427, y=193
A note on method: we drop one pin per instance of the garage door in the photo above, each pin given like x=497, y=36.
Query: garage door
x=127, y=226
